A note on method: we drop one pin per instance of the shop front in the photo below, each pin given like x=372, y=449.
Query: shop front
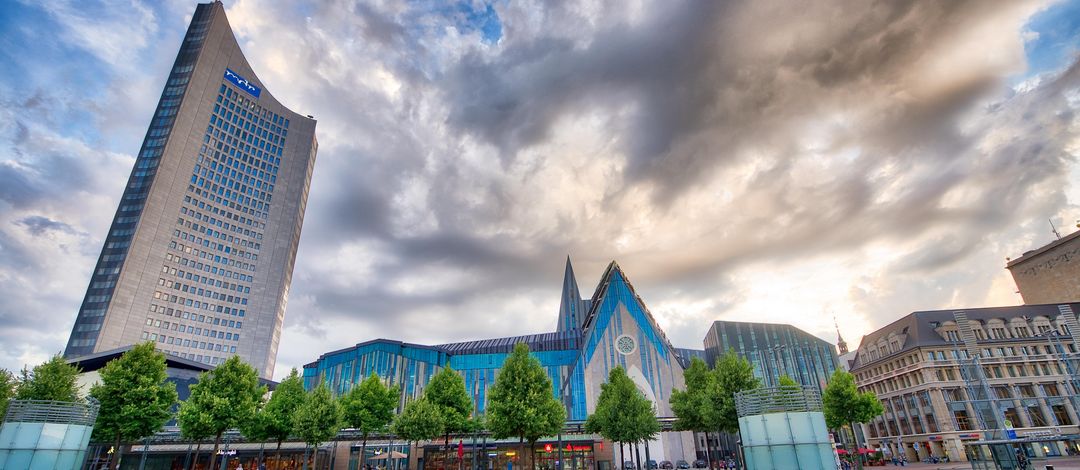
x=506, y=455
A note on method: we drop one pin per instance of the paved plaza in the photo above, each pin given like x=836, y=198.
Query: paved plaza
x=1064, y=463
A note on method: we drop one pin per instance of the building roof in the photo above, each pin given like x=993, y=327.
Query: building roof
x=1028, y=255
x=555, y=341
x=917, y=329
x=96, y=361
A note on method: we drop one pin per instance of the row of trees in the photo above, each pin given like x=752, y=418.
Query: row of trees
x=708, y=403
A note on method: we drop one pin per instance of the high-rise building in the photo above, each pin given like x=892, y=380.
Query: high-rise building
x=199, y=256
x=1051, y=273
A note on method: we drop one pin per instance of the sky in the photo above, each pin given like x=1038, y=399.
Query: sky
x=740, y=160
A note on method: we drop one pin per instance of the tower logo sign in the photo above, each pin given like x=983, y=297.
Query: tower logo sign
x=242, y=82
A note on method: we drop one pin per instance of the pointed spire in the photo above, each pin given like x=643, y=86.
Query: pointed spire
x=840, y=343
x=571, y=313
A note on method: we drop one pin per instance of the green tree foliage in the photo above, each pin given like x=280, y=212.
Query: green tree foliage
x=278, y=416
x=694, y=407
x=7, y=390
x=791, y=391
x=446, y=391
x=319, y=419
x=228, y=396
x=419, y=421
x=369, y=407
x=844, y=405
x=623, y=413
x=521, y=403
x=135, y=396
x=53, y=380
x=732, y=375
x=196, y=424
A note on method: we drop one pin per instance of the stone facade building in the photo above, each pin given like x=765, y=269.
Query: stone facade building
x=1049, y=274
x=1028, y=357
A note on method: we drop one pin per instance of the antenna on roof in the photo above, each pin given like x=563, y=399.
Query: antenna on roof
x=1054, y=229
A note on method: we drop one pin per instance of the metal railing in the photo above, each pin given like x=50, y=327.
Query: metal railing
x=761, y=401
x=47, y=411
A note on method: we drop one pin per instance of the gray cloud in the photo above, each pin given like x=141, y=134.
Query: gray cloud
x=737, y=159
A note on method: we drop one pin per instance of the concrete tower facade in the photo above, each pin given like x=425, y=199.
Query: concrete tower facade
x=200, y=253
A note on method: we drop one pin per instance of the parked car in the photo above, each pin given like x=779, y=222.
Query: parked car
x=651, y=465
x=666, y=465
x=629, y=465
x=700, y=464
x=682, y=465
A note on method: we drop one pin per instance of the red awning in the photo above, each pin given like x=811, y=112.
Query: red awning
x=841, y=451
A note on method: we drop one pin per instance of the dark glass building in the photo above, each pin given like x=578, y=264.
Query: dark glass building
x=199, y=256
x=774, y=350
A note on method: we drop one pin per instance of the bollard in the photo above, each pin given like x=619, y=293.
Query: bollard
x=1049, y=467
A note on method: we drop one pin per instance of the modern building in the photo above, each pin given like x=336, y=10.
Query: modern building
x=612, y=328
x=199, y=256
x=925, y=374
x=774, y=350
x=1051, y=273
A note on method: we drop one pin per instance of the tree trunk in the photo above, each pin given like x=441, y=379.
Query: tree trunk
x=114, y=459
x=708, y=455
x=622, y=456
x=647, y=456
x=260, y=460
x=855, y=437
x=277, y=456
x=198, y=448
x=305, y=455
x=213, y=454
x=363, y=453
x=637, y=453
x=521, y=452
x=315, y=457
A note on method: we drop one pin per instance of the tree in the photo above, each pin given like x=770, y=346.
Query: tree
x=733, y=374
x=278, y=415
x=790, y=392
x=7, y=390
x=228, y=395
x=446, y=391
x=369, y=407
x=623, y=414
x=135, y=397
x=319, y=419
x=694, y=408
x=844, y=405
x=54, y=380
x=419, y=421
x=521, y=403
x=195, y=424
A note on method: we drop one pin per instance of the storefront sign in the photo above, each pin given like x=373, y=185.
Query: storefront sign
x=934, y=438
x=973, y=435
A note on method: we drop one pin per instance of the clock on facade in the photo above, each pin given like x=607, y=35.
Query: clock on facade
x=625, y=345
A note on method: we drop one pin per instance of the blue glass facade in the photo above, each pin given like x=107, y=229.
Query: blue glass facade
x=774, y=350
x=612, y=328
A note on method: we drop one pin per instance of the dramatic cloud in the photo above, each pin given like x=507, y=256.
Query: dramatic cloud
x=740, y=160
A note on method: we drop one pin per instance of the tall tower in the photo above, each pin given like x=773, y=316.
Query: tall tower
x=200, y=253
x=840, y=343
